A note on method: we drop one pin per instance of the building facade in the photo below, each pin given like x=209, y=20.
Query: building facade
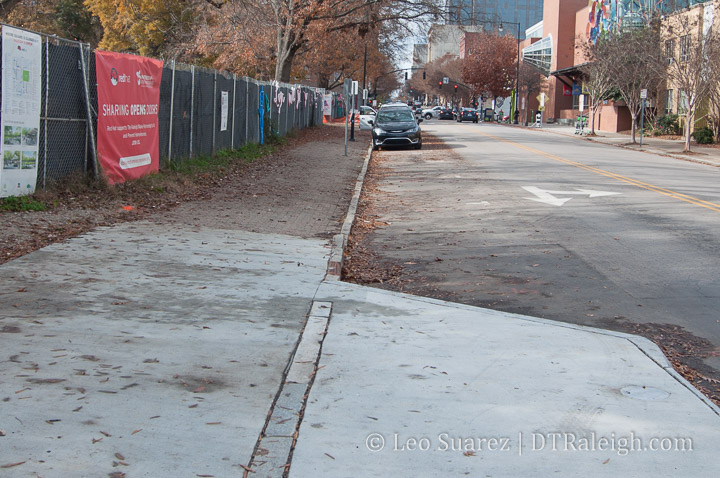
x=476, y=12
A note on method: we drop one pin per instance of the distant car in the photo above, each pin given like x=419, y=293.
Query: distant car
x=396, y=125
x=366, y=114
x=446, y=113
x=433, y=112
x=467, y=114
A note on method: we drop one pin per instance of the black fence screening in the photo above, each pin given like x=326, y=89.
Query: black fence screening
x=189, y=119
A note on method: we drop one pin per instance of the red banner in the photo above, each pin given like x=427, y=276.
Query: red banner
x=128, y=89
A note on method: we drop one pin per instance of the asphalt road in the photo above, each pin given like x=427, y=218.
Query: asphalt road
x=549, y=226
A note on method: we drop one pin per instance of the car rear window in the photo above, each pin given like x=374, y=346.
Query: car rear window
x=395, y=115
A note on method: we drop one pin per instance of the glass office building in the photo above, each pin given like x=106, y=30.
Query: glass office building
x=494, y=12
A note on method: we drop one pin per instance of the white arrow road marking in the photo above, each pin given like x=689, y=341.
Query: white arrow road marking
x=547, y=197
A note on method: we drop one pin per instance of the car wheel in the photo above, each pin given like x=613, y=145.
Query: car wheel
x=428, y=116
x=418, y=146
x=376, y=147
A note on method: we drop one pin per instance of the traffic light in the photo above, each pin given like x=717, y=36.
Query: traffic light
x=406, y=76
x=423, y=75
x=440, y=84
x=455, y=87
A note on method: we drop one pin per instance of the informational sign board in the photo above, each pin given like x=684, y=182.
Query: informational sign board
x=21, y=97
x=224, y=98
x=128, y=90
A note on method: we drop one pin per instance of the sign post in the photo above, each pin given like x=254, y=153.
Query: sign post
x=643, y=97
x=347, y=85
x=352, y=117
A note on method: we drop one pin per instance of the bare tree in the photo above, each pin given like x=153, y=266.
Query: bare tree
x=599, y=85
x=635, y=61
x=692, y=67
x=294, y=22
x=531, y=82
x=490, y=66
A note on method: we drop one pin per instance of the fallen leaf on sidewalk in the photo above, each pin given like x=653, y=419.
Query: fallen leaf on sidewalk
x=10, y=465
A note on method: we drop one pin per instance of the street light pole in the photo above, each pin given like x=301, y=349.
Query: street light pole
x=517, y=71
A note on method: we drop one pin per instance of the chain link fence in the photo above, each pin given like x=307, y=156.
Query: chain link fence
x=189, y=117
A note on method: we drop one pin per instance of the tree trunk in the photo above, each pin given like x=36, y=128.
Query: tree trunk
x=633, y=117
x=283, y=66
x=688, y=133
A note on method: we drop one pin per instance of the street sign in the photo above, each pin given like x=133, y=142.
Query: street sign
x=446, y=80
x=581, y=98
x=354, y=88
x=365, y=94
x=643, y=94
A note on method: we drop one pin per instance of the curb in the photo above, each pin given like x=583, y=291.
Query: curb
x=339, y=241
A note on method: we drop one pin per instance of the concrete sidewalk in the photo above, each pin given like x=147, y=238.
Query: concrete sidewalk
x=707, y=154
x=171, y=350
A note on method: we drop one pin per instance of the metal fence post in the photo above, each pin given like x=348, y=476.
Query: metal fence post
x=214, y=110
x=192, y=107
x=47, y=89
x=232, y=133
x=88, y=108
x=247, y=107
x=172, y=110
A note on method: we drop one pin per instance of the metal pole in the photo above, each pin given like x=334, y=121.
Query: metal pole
x=247, y=107
x=172, y=110
x=517, y=76
x=47, y=89
x=642, y=121
x=192, y=107
x=214, y=108
x=365, y=66
x=88, y=109
x=232, y=134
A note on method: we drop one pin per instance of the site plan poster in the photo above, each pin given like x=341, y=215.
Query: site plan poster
x=20, y=117
x=128, y=90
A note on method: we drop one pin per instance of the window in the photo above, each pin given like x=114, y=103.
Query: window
x=684, y=48
x=668, y=102
x=669, y=51
x=539, y=54
x=682, y=102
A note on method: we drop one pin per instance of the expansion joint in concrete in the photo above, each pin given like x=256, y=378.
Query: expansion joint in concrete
x=273, y=451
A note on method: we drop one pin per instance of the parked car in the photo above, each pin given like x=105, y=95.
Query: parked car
x=467, y=114
x=396, y=126
x=366, y=115
x=446, y=113
x=433, y=112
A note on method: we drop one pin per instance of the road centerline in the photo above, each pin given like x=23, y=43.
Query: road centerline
x=618, y=177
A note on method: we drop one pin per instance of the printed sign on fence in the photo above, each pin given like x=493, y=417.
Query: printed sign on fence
x=128, y=89
x=21, y=96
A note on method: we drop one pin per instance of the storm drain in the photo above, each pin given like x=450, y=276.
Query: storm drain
x=273, y=450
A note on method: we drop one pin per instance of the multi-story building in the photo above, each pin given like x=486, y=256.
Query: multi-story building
x=494, y=12
x=553, y=47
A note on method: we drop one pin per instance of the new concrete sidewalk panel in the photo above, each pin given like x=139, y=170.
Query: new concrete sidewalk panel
x=415, y=387
x=147, y=350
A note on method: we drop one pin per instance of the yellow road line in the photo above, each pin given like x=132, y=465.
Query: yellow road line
x=650, y=187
